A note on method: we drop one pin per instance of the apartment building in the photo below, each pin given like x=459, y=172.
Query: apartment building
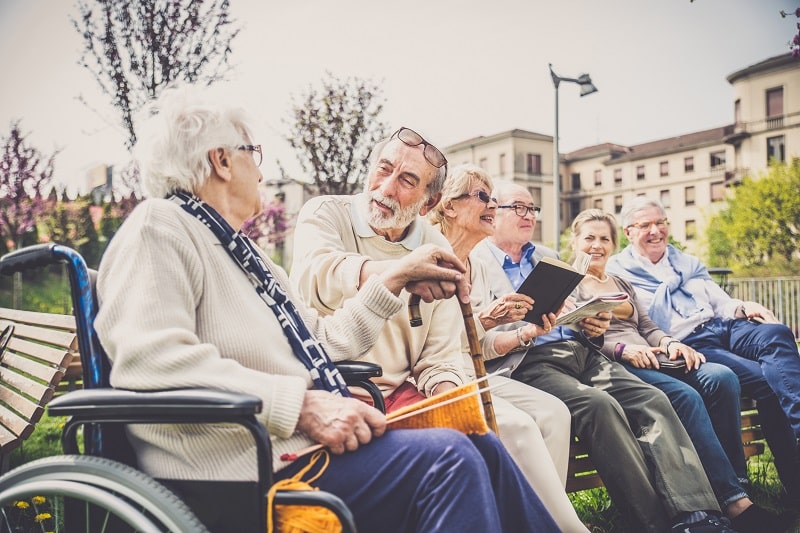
x=690, y=173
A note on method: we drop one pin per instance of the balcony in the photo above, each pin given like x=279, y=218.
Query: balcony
x=734, y=177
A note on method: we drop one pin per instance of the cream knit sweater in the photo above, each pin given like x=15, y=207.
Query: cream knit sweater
x=176, y=311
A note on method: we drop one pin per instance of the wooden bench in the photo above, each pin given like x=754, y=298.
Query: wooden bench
x=582, y=475
x=41, y=349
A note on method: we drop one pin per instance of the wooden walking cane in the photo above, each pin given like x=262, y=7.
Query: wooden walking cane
x=415, y=318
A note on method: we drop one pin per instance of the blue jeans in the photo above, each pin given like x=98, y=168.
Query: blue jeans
x=433, y=480
x=766, y=360
x=707, y=401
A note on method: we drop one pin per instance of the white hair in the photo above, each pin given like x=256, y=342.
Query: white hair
x=182, y=125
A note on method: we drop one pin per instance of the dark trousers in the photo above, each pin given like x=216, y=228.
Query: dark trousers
x=637, y=443
x=766, y=360
x=433, y=480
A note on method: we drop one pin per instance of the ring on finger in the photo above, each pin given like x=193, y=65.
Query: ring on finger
x=517, y=305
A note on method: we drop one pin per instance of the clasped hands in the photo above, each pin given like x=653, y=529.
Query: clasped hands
x=643, y=356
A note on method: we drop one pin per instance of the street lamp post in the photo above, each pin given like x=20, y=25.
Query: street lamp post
x=587, y=87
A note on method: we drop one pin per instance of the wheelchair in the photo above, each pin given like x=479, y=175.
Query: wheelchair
x=99, y=488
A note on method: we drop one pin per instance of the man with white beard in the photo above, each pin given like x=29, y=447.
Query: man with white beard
x=342, y=240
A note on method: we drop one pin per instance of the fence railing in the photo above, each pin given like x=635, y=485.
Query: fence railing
x=781, y=295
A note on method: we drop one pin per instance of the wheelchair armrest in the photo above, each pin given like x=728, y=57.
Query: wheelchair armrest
x=358, y=374
x=172, y=406
x=358, y=370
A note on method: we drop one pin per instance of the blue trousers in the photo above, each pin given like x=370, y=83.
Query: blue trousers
x=707, y=401
x=766, y=360
x=433, y=480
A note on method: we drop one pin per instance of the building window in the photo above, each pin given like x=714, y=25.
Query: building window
x=688, y=195
x=775, y=149
x=775, y=102
x=618, y=177
x=665, y=199
x=576, y=181
x=690, y=228
x=640, y=172
x=617, y=205
x=737, y=111
x=536, y=195
x=688, y=164
x=598, y=178
x=502, y=164
x=663, y=168
x=717, y=191
x=533, y=164
x=717, y=159
x=484, y=163
x=598, y=203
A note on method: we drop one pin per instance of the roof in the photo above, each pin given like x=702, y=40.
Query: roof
x=773, y=63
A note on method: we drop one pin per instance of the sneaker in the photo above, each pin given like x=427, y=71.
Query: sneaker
x=709, y=524
x=756, y=519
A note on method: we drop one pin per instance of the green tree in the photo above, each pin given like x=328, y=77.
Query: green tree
x=761, y=222
x=333, y=130
x=135, y=48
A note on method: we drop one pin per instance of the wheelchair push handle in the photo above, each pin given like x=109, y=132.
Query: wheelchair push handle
x=36, y=256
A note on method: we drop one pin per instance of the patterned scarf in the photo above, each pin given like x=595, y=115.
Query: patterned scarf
x=242, y=250
x=669, y=295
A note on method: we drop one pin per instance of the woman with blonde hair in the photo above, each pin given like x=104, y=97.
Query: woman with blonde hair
x=533, y=425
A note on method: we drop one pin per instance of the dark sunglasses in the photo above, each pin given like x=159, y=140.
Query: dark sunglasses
x=412, y=138
x=480, y=195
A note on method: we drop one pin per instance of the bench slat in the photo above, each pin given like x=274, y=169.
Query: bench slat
x=23, y=384
x=54, y=337
x=21, y=404
x=15, y=423
x=51, y=320
x=56, y=356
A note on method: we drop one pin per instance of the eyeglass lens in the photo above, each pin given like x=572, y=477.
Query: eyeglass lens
x=660, y=224
x=431, y=153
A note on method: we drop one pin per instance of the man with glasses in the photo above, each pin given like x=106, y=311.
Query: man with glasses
x=683, y=300
x=636, y=441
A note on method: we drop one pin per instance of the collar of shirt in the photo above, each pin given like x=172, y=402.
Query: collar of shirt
x=358, y=213
x=516, y=272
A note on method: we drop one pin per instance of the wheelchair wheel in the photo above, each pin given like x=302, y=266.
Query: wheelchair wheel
x=92, y=494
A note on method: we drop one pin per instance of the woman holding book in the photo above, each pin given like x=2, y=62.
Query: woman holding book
x=532, y=424
x=705, y=395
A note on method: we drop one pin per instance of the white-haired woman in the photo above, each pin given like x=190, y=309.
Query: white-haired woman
x=188, y=301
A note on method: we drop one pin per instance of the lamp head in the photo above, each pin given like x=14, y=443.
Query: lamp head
x=587, y=87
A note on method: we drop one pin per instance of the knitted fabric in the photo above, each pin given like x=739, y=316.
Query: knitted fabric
x=464, y=414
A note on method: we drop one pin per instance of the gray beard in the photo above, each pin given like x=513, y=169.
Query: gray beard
x=401, y=218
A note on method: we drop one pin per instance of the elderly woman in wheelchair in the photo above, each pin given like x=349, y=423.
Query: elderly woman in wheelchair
x=187, y=301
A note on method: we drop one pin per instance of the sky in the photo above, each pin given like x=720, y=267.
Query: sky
x=450, y=69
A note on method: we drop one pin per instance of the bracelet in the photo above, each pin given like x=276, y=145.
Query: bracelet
x=618, y=349
x=522, y=343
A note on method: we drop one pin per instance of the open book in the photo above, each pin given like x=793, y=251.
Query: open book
x=550, y=282
x=601, y=302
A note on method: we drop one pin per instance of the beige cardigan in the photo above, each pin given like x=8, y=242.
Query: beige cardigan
x=176, y=311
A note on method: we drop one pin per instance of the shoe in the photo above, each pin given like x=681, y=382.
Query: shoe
x=709, y=524
x=756, y=519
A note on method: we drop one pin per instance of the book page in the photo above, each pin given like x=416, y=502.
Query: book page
x=602, y=302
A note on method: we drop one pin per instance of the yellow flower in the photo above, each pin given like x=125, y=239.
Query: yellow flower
x=21, y=505
x=41, y=517
x=38, y=500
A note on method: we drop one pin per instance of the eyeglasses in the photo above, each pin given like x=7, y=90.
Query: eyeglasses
x=480, y=195
x=256, y=149
x=522, y=210
x=412, y=138
x=644, y=226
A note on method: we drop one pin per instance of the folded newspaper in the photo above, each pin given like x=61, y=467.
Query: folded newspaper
x=601, y=302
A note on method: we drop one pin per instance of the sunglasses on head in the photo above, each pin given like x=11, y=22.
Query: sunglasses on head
x=412, y=138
